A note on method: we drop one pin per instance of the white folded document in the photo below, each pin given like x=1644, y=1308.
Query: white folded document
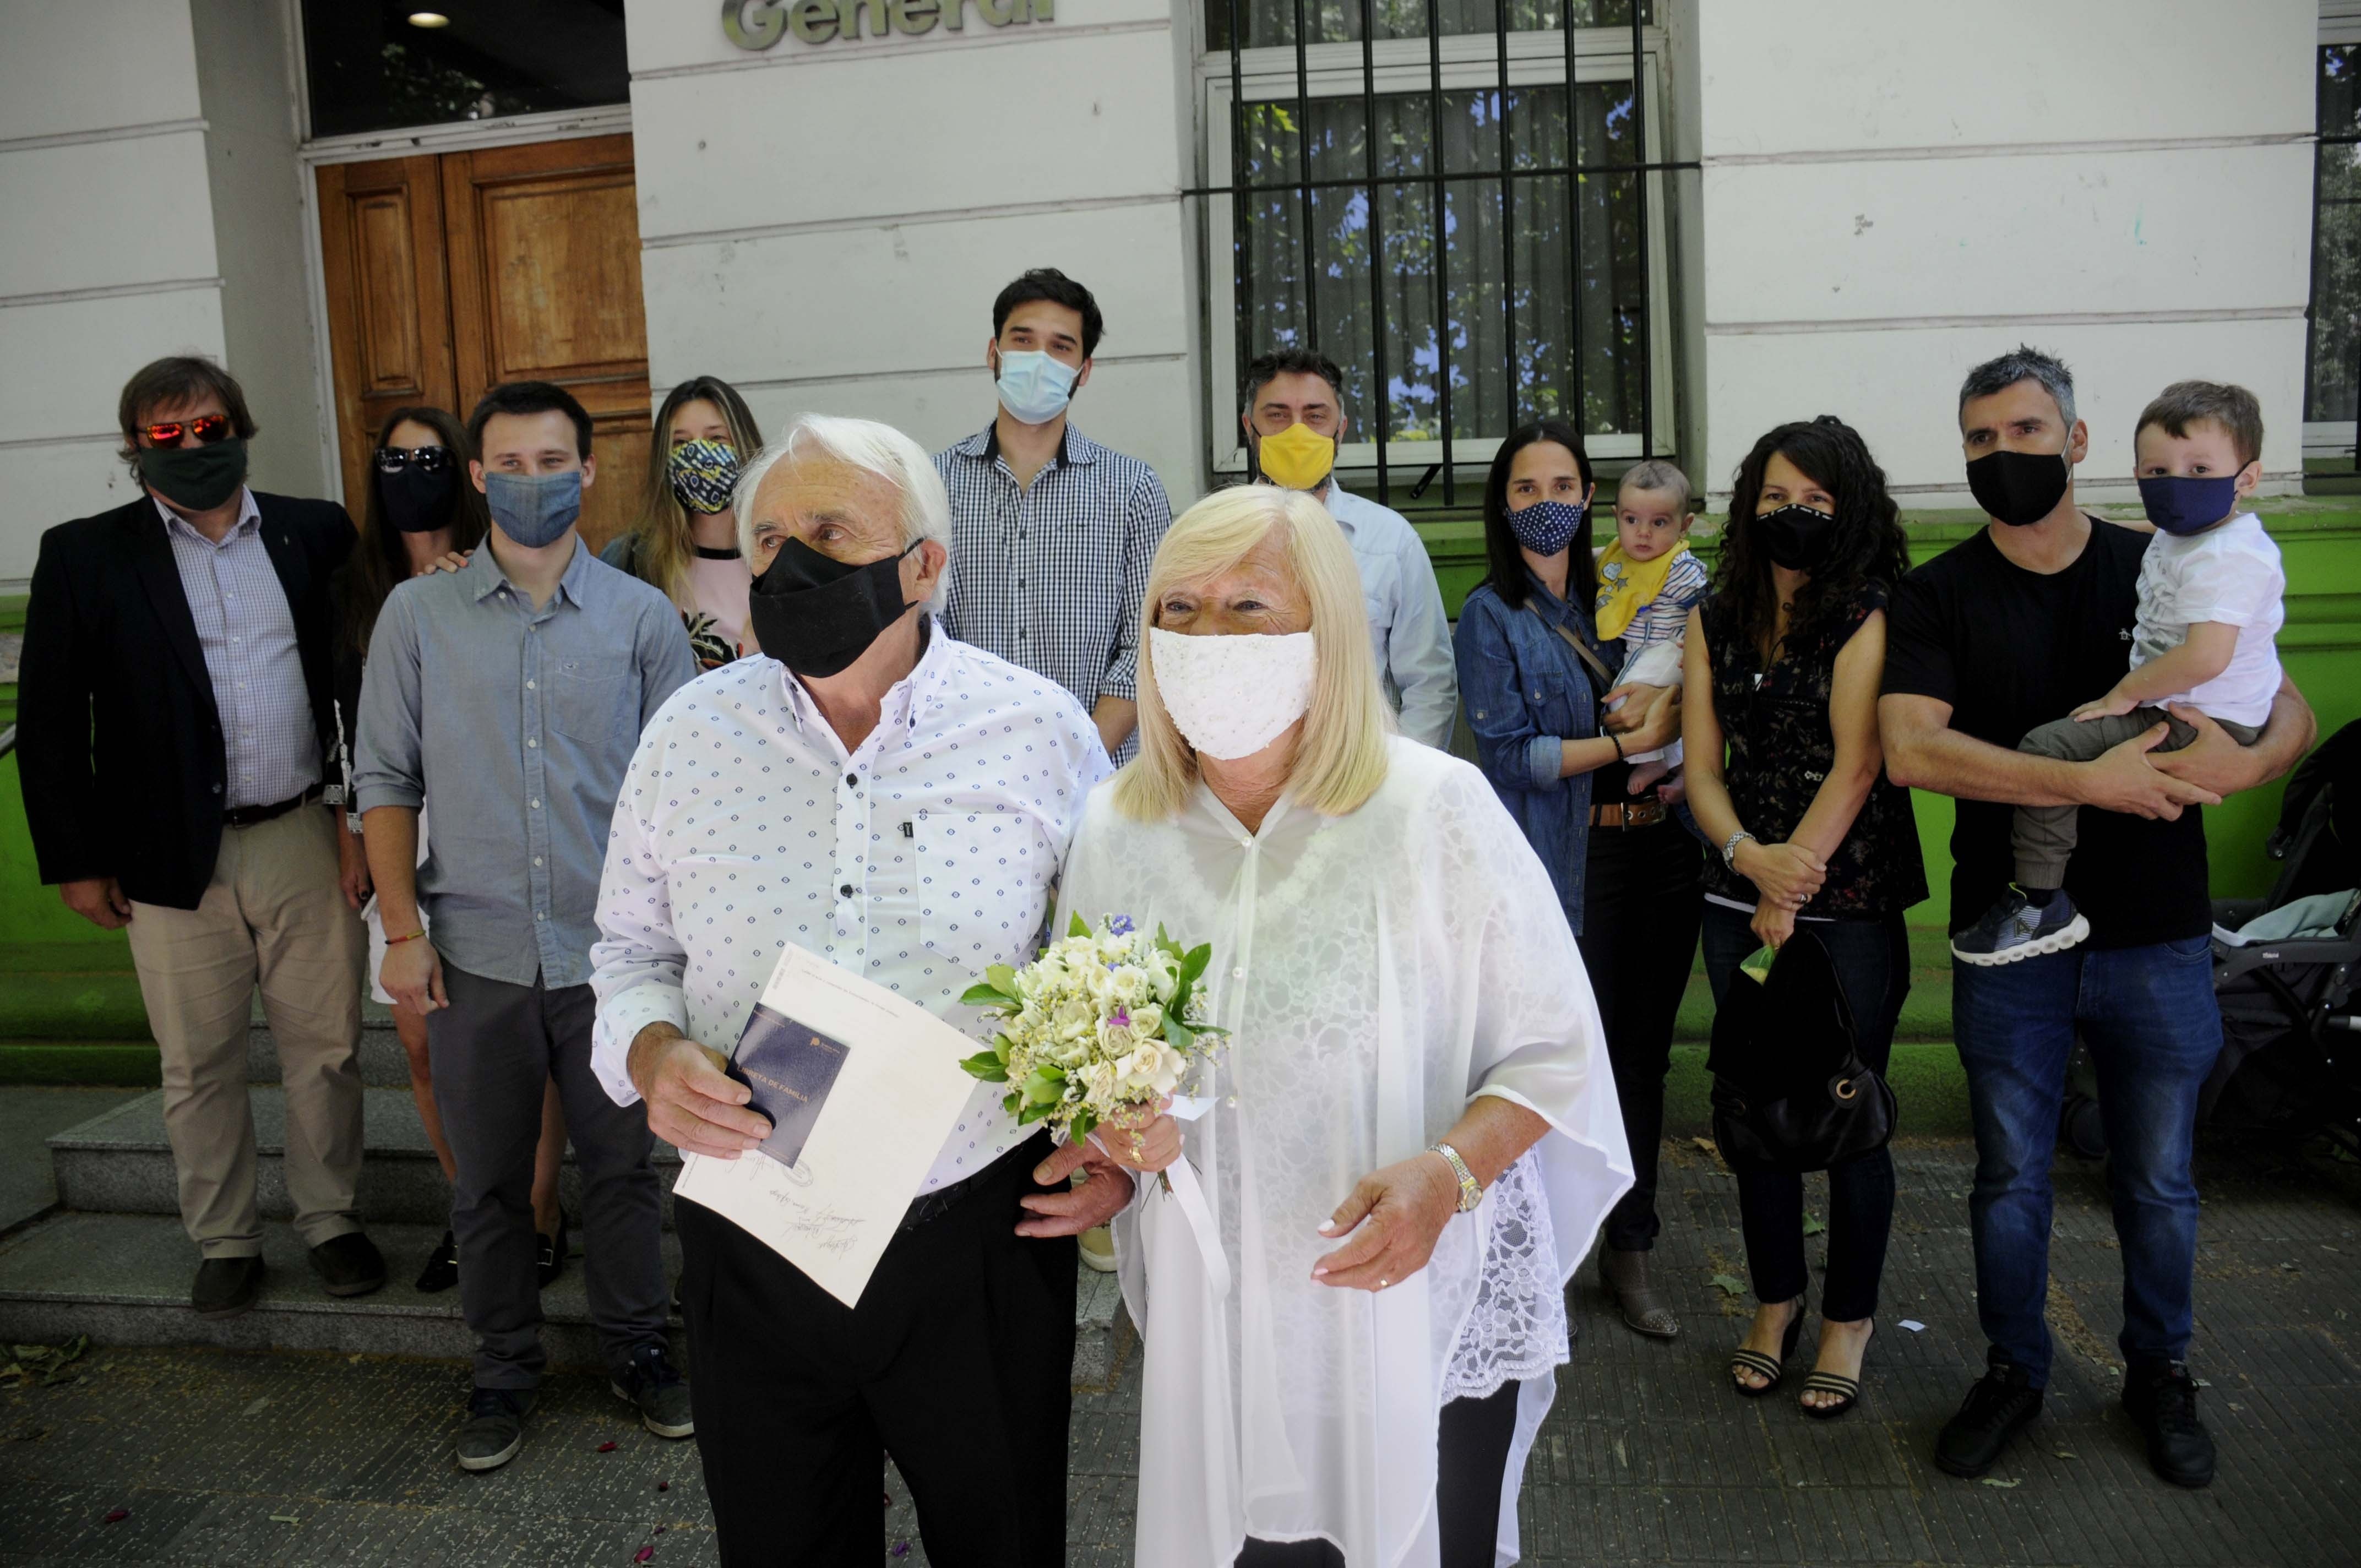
x=875, y=1092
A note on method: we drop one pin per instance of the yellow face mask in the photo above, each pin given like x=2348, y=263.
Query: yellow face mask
x=1297, y=458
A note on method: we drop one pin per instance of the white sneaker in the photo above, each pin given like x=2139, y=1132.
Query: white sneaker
x=1098, y=1249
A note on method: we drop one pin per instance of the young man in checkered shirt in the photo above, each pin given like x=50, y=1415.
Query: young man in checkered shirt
x=1051, y=532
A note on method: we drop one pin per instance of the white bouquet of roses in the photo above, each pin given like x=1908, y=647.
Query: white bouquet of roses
x=1099, y=1029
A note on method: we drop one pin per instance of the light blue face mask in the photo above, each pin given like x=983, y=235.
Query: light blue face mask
x=533, y=510
x=1033, y=387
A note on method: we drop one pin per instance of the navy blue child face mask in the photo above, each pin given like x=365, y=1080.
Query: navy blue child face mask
x=2190, y=503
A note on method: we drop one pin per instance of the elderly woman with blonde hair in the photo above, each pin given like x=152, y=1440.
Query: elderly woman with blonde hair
x=1411, y=1135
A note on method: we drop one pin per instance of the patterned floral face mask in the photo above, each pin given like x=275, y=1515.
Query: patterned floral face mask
x=704, y=475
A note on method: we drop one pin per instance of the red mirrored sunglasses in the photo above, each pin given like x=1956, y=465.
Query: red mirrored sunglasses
x=207, y=429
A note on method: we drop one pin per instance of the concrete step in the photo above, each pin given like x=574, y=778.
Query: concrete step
x=124, y=1280
x=120, y=1163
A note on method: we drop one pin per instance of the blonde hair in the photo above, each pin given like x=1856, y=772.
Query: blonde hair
x=1340, y=761
x=665, y=547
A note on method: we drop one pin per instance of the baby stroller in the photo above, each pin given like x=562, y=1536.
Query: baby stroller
x=2285, y=969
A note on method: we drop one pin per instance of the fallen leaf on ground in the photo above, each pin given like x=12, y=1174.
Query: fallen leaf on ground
x=1707, y=1144
x=2062, y=1453
x=1730, y=1284
x=663, y=1486
x=285, y=1519
x=118, y=1516
x=42, y=1363
x=899, y=1549
x=256, y=1407
x=608, y=1446
x=1814, y=1225
x=1996, y=1481
x=643, y=1553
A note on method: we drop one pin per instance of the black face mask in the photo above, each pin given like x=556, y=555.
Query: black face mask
x=417, y=501
x=2019, y=488
x=816, y=616
x=1796, y=537
x=197, y=477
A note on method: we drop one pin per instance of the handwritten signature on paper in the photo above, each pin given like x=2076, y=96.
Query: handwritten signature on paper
x=828, y=1230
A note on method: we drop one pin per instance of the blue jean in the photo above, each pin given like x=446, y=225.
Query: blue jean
x=2149, y=1018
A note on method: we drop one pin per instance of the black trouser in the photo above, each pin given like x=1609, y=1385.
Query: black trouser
x=1641, y=898
x=1471, y=1464
x=1872, y=965
x=494, y=1050
x=957, y=1362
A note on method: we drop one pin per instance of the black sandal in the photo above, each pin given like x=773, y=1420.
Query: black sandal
x=1745, y=1360
x=1848, y=1389
x=1831, y=1383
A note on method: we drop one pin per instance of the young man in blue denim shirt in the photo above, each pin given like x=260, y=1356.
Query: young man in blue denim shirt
x=2014, y=628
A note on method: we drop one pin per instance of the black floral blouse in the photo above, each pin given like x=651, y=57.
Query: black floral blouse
x=1781, y=749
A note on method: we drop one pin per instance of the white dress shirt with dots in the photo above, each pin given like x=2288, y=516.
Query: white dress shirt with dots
x=916, y=861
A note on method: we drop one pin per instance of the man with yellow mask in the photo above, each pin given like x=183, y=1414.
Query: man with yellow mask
x=1294, y=421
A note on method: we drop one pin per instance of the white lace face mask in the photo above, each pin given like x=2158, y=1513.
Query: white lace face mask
x=1230, y=697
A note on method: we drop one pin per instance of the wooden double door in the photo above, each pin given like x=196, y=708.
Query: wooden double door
x=448, y=274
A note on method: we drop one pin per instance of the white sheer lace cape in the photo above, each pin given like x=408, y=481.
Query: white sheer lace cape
x=1377, y=972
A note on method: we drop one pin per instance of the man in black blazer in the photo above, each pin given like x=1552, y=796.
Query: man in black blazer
x=178, y=748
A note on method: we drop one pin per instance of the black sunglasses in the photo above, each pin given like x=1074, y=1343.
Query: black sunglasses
x=425, y=459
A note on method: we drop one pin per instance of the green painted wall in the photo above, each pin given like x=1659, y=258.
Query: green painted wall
x=68, y=999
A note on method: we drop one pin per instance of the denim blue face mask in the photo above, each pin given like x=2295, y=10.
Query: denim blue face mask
x=1546, y=527
x=1033, y=387
x=2190, y=505
x=533, y=510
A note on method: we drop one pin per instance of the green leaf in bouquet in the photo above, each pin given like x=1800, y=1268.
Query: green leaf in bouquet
x=1003, y=1047
x=1045, y=1085
x=1034, y=1112
x=987, y=1066
x=1086, y=1121
x=1013, y=1101
x=1194, y=963
x=1079, y=927
x=1179, y=1034
x=983, y=994
x=1002, y=978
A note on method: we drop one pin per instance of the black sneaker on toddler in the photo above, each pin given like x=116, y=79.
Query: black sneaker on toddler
x=2017, y=927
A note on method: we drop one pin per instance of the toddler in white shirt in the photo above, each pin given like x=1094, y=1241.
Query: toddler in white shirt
x=2210, y=591
x=1647, y=581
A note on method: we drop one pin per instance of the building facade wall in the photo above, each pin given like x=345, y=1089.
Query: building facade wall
x=107, y=257
x=1892, y=194
x=825, y=225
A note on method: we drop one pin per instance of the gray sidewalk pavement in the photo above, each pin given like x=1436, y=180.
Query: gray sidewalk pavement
x=1647, y=1459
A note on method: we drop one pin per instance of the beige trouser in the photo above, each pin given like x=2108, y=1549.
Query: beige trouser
x=272, y=915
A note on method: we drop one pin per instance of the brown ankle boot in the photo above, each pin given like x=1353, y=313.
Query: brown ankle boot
x=1625, y=1277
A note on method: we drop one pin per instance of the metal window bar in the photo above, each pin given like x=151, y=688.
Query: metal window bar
x=1436, y=181
x=1509, y=209
x=2322, y=144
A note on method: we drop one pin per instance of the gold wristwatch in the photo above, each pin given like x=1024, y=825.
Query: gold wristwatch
x=1470, y=1194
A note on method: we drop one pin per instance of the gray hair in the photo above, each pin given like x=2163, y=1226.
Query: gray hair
x=2024, y=363
x=874, y=448
x=1657, y=477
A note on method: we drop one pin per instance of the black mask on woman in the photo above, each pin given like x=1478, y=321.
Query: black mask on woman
x=816, y=616
x=417, y=501
x=2019, y=488
x=1796, y=537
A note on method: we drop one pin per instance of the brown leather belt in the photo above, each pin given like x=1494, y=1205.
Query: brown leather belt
x=249, y=815
x=1630, y=814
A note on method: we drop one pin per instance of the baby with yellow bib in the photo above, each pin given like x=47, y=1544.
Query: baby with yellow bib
x=1647, y=581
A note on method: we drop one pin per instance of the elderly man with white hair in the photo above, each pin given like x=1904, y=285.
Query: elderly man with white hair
x=819, y=794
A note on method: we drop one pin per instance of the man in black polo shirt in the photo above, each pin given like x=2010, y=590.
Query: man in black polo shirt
x=2007, y=631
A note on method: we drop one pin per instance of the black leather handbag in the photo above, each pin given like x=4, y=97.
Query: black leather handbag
x=1790, y=1091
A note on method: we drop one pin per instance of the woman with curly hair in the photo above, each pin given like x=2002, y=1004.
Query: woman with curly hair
x=1791, y=647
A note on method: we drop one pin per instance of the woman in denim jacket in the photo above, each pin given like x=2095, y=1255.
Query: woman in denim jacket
x=1532, y=675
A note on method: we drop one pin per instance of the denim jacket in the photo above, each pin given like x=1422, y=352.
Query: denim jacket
x=1525, y=693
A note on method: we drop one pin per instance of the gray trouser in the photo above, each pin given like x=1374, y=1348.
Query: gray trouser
x=2045, y=836
x=493, y=1049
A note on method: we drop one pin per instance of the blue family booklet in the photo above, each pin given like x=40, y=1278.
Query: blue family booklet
x=790, y=1068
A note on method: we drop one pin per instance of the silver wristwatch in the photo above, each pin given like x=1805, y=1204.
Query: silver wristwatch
x=1470, y=1194
x=1729, y=849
